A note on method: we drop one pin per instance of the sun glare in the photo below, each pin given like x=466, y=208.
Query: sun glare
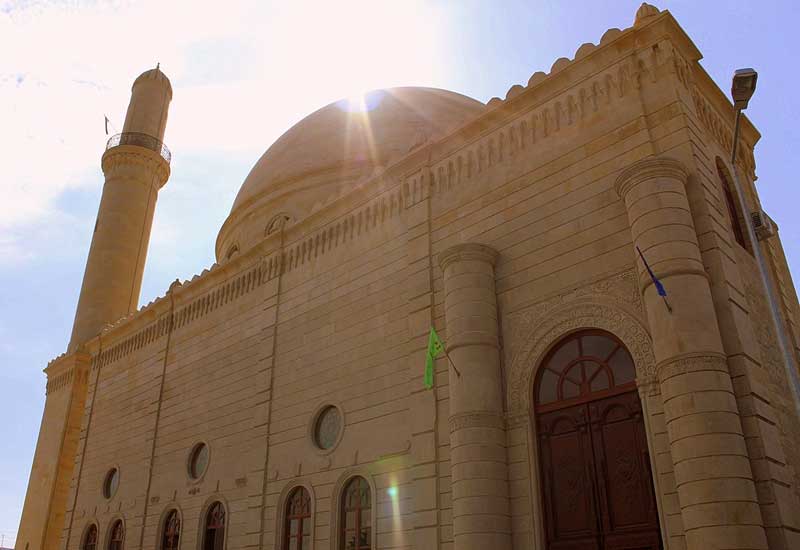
x=354, y=46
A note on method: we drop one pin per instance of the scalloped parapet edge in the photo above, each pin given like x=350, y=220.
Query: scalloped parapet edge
x=645, y=12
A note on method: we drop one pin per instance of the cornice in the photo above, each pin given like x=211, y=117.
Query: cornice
x=647, y=169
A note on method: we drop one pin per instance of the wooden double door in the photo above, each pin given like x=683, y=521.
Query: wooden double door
x=596, y=478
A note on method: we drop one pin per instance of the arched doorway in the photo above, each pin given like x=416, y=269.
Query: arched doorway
x=597, y=487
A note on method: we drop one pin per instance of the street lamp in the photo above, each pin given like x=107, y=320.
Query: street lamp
x=742, y=88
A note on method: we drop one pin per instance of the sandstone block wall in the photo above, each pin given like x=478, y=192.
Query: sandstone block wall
x=336, y=310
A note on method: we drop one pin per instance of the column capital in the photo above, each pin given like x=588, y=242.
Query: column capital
x=646, y=169
x=468, y=251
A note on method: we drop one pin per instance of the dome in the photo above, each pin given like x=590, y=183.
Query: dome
x=323, y=154
x=151, y=76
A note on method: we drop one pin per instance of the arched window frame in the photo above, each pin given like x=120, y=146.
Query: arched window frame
x=284, y=518
x=736, y=211
x=166, y=517
x=85, y=538
x=233, y=250
x=204, y=522
x=113, y=543
x=561, y=343
x=341, y=512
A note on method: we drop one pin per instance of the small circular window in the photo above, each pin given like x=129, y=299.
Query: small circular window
x=327, y=427
x=110, y=483
x=198, y=460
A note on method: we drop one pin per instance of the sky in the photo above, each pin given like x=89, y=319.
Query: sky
x=242, y=73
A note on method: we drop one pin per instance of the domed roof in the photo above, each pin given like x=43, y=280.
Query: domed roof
x=341, y=143
x=154, y=75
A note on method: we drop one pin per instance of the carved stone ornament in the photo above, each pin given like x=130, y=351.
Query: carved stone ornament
x=485, y=419
x=647, y=169
x=123, y=156
x=562, y=321
x=468, y=252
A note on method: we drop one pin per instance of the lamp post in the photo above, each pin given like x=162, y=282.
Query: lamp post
x=742, y=89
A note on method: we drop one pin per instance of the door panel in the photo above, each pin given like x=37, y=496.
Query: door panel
x=567, y=470
x=598, y=491
x=627, y=502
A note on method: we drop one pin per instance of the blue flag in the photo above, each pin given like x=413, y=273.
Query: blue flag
x=659, y=286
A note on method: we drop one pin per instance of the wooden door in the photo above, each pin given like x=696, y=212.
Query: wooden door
x=627, y=506
x=597, y=488
x=570, y=495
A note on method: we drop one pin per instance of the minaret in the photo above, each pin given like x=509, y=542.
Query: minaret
x=136, y=166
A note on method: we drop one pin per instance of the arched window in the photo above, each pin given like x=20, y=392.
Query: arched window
x=584, y=365
x=733, y=211
x=90, y=539
x=172, y=531
x=214, y=533
x=297, y=525
x=117, y=540
x=356, y=520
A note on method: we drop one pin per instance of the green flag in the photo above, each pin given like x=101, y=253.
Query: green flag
x=435, y=348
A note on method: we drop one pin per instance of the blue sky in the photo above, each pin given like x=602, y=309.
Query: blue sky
x=241, y=76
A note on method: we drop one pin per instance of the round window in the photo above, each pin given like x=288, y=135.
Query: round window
x=327, y=427
x=110, y=483
x=198, y=460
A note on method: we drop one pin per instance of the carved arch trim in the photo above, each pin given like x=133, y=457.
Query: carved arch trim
x=565, y=320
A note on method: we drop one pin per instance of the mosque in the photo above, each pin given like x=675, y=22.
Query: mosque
x=278, y=401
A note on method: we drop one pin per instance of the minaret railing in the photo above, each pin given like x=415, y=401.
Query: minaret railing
x=140, y=140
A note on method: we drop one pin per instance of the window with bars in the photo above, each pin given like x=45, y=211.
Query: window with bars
x=297, y=523
x=172, y=531
x=90, y=539
x=356, y=520
x=117, y=540
x=214, y=532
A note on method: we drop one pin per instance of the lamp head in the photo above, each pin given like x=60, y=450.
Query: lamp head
x=743, y=87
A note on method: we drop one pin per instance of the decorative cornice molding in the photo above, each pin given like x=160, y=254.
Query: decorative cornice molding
x=691, y=362
x=239, y=285
x=468, y=252
x=648, y=169
x=126, y=155
x=476, y=419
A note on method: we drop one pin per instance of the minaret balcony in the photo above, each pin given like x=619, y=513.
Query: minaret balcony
x=140, y=140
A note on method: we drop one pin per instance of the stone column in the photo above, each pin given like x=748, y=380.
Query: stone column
x=716, y=492
x=479, y=470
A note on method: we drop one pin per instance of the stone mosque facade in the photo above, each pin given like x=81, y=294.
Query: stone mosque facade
x=276, y=400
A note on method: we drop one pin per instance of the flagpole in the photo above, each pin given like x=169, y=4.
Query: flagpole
x=656, y=282
x=451, y=361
